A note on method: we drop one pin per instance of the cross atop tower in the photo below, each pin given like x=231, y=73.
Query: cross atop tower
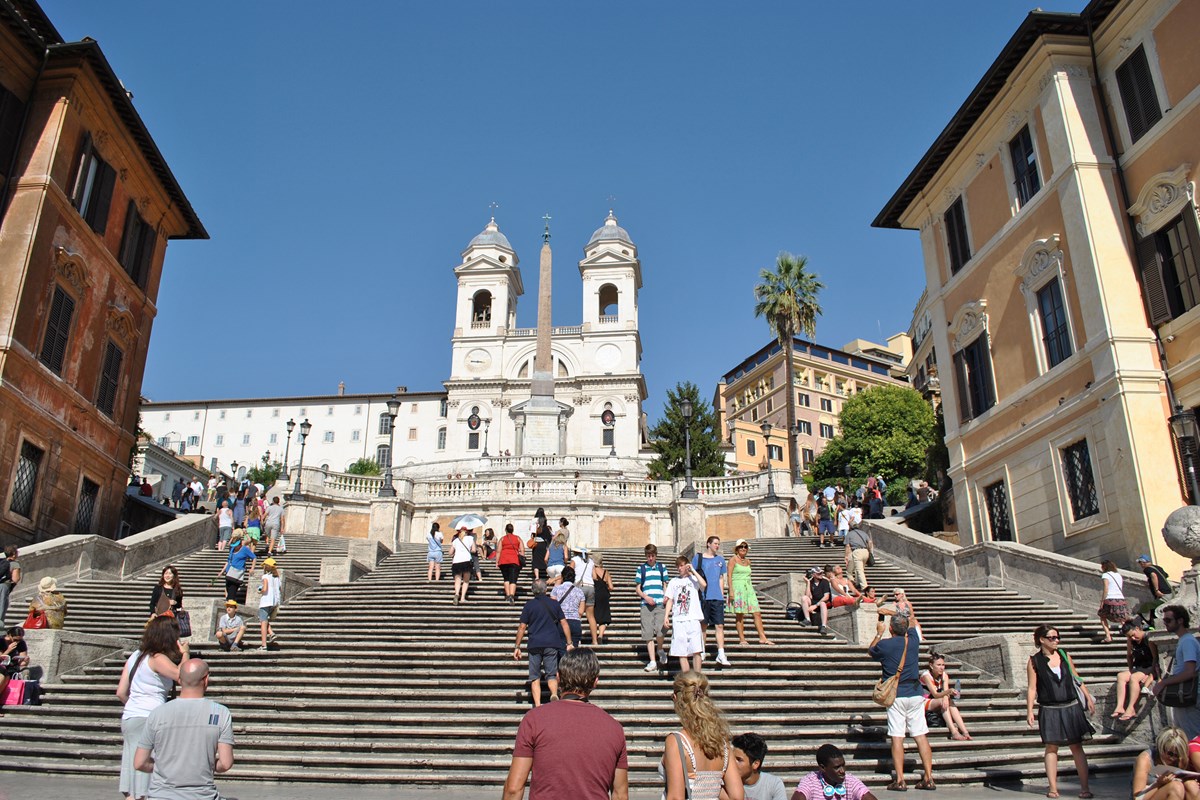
x=546, y=233
x=493, y=206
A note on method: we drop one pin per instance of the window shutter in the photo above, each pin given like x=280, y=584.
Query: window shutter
x=58, y=328
x=1138, y=97
x=149, y=239
x=106, y=180
x=106, y=395
x=129, y=238
x=1150, y=266
x=12, y=111
x=82, y=168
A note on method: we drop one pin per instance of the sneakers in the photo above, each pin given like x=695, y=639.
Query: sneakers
x=262, y=649
x=651, y=667
x=821, y=629
x=723, y=661
x=663, y=658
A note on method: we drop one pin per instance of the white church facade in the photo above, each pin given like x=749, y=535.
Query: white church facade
x=591, y=412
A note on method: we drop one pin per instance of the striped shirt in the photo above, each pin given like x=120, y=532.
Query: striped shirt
x=652, y=581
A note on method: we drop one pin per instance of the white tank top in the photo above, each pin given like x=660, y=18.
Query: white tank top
x=147, y=689
x=225, y=517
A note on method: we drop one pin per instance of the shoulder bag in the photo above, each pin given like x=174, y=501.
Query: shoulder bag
x=1179, y=695
x=885, y=690
x=184, y=620
x=36, y=620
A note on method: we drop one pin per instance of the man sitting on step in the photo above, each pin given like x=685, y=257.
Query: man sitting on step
x=231, y=627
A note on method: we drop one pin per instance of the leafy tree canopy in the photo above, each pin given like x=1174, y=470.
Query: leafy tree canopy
x=265, y=473
x=667, y=438
x=364, y=466
x=885, y=430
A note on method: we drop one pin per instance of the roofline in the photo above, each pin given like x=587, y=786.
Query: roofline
x=89, y=50
x=235, y=401
x=1035, y=25
x=728, y=376
x=34, y=25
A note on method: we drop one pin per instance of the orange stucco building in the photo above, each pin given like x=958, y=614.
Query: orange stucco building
x=87, y=207
x=1059, y=233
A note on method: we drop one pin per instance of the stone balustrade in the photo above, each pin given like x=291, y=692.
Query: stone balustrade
x=561, y=330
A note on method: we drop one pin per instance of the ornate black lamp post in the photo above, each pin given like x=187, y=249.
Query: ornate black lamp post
x=1183, y=425
x=487, y=424
x=291, y=426
x=685, y=408
x=233, y=466
x=305, y=429
x=766, y=431
x=386, y=489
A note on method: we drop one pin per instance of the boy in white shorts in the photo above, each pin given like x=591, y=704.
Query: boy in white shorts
x=684, y=615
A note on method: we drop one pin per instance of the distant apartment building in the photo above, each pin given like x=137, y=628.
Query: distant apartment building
x=1057, y=218
x=86, y=210
x=755, y=392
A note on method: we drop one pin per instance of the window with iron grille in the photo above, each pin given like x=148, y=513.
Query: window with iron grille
x=973, y=369
x=25, y=480
x=85, y=510
x=58, y=330
x=607, y=437
x=110, y=375
x=472, y=441
x=1024, y=164
x=751, y=449
x=137, y=246
x=1055, y=334
x=826, y=431
x=1138, y=97
x=956, y=235
x=383, y=456
x=385, y=424
x=94, y=182
x=999, y=519
x=1081, y=484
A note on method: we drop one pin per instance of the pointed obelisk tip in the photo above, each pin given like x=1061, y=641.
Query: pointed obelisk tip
x=546, y=233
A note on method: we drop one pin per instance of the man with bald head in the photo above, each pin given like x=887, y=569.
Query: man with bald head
x=186, y=741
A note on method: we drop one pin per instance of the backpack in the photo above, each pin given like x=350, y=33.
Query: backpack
x=662, y=572
x=1164, y=581
x=5, y=571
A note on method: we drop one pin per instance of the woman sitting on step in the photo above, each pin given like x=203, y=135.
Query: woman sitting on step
x=1170, y=750
x=940, y=696
x=1141, y=656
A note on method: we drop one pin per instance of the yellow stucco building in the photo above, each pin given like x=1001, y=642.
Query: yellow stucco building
x=1057, y=219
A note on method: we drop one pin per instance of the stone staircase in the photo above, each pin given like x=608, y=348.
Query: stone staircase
x=385, y=680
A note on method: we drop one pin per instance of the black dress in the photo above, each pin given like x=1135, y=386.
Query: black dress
x=1061, y=719
x=603, y=595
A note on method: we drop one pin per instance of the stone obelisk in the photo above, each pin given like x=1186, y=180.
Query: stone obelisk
x=541, y=423
x=543, y=366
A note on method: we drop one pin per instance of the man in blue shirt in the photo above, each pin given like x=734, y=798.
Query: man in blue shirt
x=1187, y=657
x=547, y=626
x=907, y=713
x=711, y=564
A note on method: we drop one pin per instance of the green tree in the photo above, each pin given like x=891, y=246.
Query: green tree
x=364, y=466
x=787, y=299
x=266, y=472
x=667, y=438
x=885, y=430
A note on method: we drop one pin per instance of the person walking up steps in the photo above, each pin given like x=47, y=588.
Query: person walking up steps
x=549, y=634
x=712, y=567
x=462, y=549
x=602, y=579
x=512, y=553
x=433, y=553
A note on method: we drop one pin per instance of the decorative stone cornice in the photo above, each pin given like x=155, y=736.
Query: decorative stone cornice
x=70, y=266
x=969, y=321
x=1040, y=256
x=121, y=325
x=1161, y=198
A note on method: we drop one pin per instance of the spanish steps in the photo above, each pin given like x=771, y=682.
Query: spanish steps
x=384, y=679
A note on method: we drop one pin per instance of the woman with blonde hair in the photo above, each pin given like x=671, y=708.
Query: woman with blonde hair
x=1170, y=750
x=696, y=763
x=269, y=601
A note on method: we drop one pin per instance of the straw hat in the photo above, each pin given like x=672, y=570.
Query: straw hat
x=741, y=543
x=47, y=584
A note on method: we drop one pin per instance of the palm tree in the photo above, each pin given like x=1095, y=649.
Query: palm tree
x=787, y=298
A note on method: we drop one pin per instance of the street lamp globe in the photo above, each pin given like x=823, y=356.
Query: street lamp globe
x=291, y=426
x=305, y=428
x=685, y=408
x=393, y=406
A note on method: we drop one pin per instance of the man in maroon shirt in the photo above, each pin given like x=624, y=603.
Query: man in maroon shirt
x=573, y=748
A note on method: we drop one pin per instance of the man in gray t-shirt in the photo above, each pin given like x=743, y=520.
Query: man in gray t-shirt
x=186, y=741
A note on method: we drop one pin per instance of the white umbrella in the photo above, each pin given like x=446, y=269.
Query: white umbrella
x=469, y=520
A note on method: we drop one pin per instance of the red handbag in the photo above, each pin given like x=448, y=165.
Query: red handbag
x=35, y=620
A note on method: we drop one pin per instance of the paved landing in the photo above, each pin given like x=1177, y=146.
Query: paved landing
x=24, y=786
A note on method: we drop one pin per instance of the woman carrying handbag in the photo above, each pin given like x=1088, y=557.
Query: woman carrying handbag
x=1061, y=699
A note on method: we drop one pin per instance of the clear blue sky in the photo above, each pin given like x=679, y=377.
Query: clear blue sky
x=342, y=156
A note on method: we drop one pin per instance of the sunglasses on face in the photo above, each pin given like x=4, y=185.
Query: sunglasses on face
x=1050, y=638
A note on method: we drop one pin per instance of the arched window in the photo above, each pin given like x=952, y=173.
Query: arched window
x=481, y=308
x=609, y=307
x=383, y=456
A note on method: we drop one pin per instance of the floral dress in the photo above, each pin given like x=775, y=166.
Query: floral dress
x=742, y=599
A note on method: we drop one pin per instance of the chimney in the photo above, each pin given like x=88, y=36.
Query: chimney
x=341, y=388
x=401, y=390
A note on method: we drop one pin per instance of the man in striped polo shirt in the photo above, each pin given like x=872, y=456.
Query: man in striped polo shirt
x=651, y=580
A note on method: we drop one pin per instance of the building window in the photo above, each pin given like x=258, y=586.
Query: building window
x=212, y=465
x=1167, y=260
x=24, y=483
x=999, y=519
x=220, y=441
x=826, y=404
x=94, y=184
x=355, y=435
x=472, y=441
x=607, y=437
x=222, y=414
x=441, y=439
x=304, y=412
x=775, y=452
x=770, y=405
x=413, y=408
x=85, y=509
x=167, y=417
x=195, y=416
x=1024, y=164
x=751, y=450
x=1056, y=336
x=164, y=442
x=249, y=413
x=443, y=407
x=329, y=411
x=245, y=438
x=1138, y=97
x=412, y=434
x=754, y=414
x=973, y=369
x=357, y=410
x=329, y=437
x=110, y=374
x=956, y=235
x=807, y=457
x=826, y=430
x=12, y=113
x=383, y=456
x=58, y=330
x=274, y=412
x=385, y=424
x=194, y=441
x=1081, y=485
x=804, y=426
x=137, y=246
x=803, y=399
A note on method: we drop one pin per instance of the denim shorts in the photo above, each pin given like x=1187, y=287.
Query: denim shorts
x=543, y=659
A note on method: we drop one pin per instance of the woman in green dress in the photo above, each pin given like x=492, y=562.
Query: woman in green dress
x=739, y=593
